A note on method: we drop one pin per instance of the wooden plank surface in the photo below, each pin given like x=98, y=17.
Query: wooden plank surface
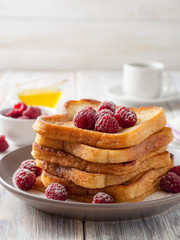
x=19, y=221
x=165, y=226
x=54, y=45
x=92, y=10
x=66, y=35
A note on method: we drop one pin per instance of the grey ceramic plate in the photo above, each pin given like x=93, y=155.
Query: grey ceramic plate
x=121, y=211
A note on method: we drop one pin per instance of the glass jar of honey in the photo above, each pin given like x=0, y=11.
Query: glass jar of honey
x=32, y=93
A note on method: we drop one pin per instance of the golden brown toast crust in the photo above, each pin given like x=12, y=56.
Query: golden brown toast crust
x=97, y=155
x=95, y=180
x=61, y=127
x=67, y=160
x=136, y=190
x=152, y=189
x=88, y=196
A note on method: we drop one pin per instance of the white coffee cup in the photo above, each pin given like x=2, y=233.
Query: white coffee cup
x=145, y=79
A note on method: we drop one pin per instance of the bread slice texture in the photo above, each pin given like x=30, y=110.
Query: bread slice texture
x=67, y=160
x=135, y=190
x=98, y=155
x=61, y=127
x=96, y=180
x=86, y=195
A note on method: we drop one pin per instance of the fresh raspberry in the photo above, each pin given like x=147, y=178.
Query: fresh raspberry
x=3, y=143
x=175, y=170
x=170, y=182
x=38, y=110
x=31, y=165
x=25, y=179
x=103, y=112
x=14, y=113
x=56, y=191
x=23, y=117
x=125, y=117
x=32, y=112
x=101, y=197
x=85, y=118
x=20, y=106
x=107, y=105
x=107, y=124
x=17, y=110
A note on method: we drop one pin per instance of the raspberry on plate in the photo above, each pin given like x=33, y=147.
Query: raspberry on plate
x=107, y=124
x=170, y=182
x=102, y=197
x=32, y=112
x=125, y=117
x=85, y=118
x=107, y=105
x=25, y=179
x=103, y=112
x=56, y=191
x=30, y=164
x=175, y=170
x=3, y=144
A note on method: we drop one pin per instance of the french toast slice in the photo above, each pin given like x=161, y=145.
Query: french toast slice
x=61, y=126
x=133, y=191
x=68, y=160
x=99, y=180
x=98, y=155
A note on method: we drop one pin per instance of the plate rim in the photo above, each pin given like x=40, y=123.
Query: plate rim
x=25, y=194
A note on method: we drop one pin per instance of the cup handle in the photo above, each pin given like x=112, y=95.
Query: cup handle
x=166, y=84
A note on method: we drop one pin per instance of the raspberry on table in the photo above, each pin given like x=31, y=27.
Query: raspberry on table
x=103, y=112
x=32, y=112
x=170, y=182
x=175, y=170
x=125, y=117
x=102, y=197
x=107, y=105
x=30, y=164
x=85, y=118
x=3, y=144
x=25, y=179
x=107, y=124
x=56, y=191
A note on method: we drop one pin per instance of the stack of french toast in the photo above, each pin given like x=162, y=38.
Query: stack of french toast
x=127, y=165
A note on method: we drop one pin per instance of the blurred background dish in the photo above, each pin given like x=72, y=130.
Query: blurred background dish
x=19, y=131
x=116, y=93
x=40, y=92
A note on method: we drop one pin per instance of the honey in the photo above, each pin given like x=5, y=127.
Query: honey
x=42, y=97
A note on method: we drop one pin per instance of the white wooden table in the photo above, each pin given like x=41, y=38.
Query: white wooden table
x=20, y=221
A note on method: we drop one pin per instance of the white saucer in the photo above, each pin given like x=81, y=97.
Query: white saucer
x=118, y=95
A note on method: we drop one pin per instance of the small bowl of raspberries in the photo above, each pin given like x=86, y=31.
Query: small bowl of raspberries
x=16, y=122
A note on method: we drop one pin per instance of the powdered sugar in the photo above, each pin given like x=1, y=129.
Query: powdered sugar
x=56, y=191
x=125, y=117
